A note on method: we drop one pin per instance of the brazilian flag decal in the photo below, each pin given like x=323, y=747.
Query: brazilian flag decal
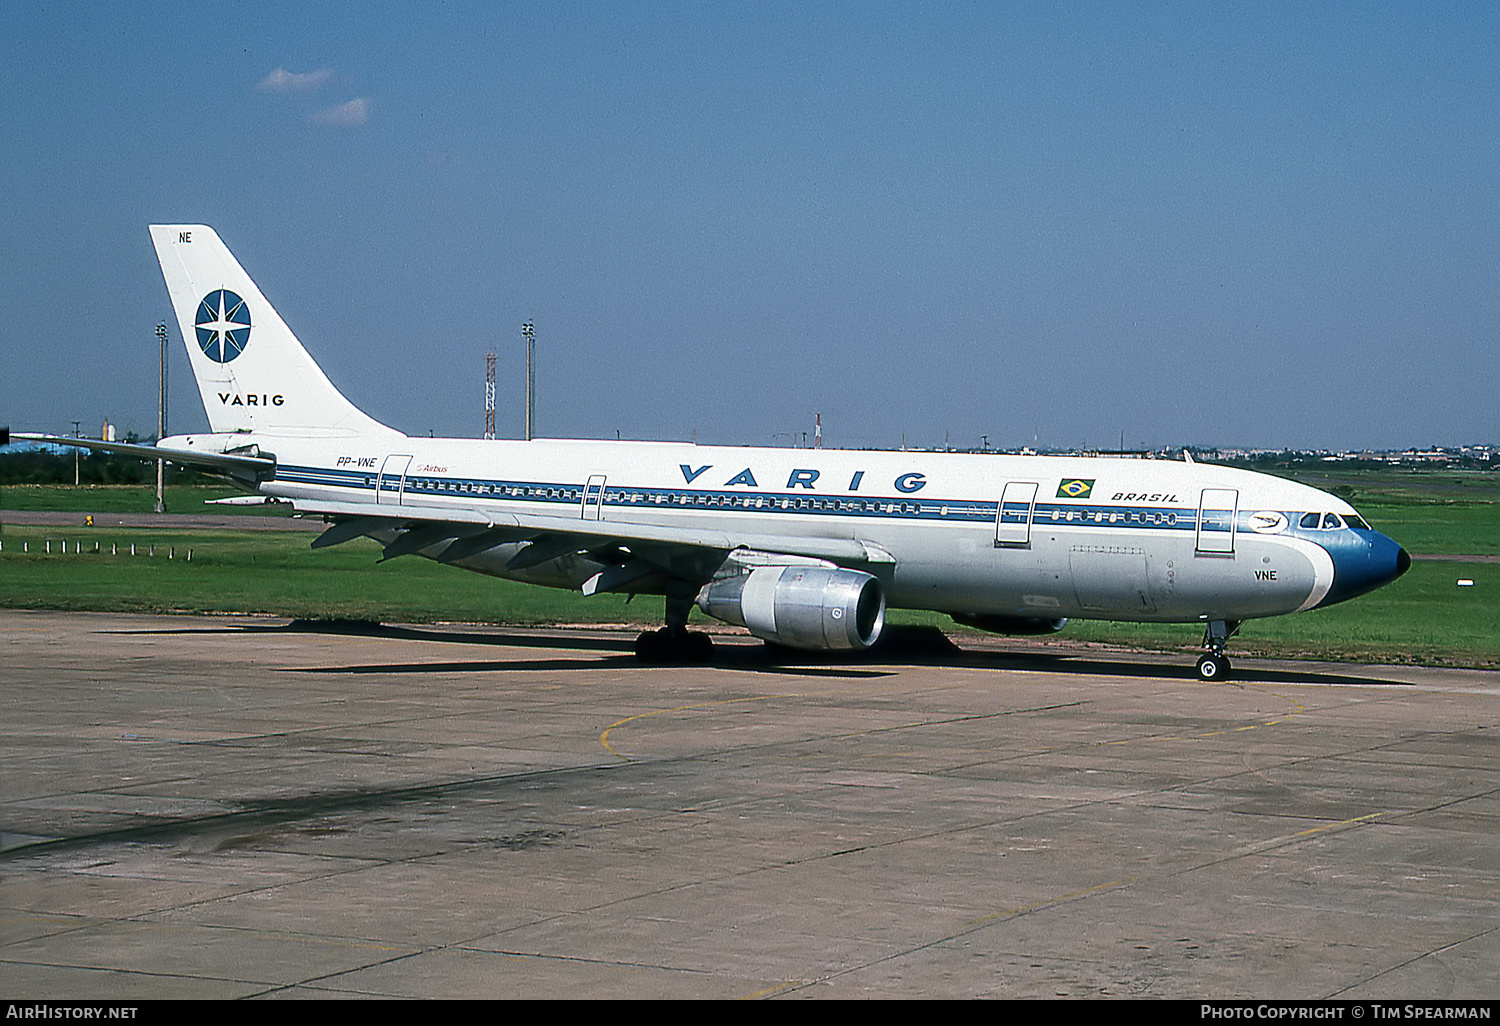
x=1075, y=489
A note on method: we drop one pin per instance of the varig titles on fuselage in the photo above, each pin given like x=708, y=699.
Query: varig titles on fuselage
x=804, y=477
x=813, y=479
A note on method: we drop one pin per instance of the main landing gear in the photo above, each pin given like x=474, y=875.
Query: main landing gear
x=1216, y=635
x=668, y=647
x=674, y=644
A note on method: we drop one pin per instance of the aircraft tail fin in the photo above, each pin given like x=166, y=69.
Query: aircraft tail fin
x=252, y=372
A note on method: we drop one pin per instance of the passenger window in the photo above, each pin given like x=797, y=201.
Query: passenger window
x=1309, y=520
x=1331, y=522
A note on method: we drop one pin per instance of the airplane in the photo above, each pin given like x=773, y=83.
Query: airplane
x=805, y=549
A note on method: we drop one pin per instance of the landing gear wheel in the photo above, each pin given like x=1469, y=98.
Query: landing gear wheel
x=650, y=647
x=699, y=648
x=1213, y=667
x=668, y=647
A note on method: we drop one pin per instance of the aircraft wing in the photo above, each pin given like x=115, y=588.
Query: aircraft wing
x=630, y=551
x=241, y=465
x=647, y=547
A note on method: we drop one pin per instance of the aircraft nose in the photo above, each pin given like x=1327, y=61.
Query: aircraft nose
x=1362, y=562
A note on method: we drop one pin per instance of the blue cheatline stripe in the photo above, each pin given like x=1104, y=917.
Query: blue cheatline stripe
x=906, y=508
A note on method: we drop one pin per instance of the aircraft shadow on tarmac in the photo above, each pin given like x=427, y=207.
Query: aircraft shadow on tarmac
x=259, y=823
x=899, y=646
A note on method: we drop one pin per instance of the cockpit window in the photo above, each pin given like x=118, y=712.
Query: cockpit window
x=1331, y=521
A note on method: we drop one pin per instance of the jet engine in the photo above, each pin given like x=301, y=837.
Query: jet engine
x=998, y=624
x=807, y=607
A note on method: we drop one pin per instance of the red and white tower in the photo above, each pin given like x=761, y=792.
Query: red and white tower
x=489, y=395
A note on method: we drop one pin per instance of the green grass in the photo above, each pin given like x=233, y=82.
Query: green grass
x=272, y=572
x=1449, y=528
x=121, y=499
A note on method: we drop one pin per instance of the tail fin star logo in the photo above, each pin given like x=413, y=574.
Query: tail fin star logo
x=223, y=325
x=1075, y=489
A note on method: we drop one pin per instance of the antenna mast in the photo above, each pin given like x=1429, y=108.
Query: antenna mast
x=529, y=331
x=161, y=409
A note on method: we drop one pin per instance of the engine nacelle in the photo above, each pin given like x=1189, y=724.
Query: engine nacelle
x=808, y=607
x=998, y=624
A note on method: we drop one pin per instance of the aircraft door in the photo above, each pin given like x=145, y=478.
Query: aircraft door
x=1217, y=511
x=593, y=498
x=1013, y=517
x=390, y=483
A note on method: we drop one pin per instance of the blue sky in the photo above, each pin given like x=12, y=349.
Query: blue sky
x=1247, y=224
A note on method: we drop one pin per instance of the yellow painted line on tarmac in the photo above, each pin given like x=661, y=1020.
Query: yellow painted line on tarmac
x=773, y=990
x=1297, y=710
x=604, y=737
x=1343, y=822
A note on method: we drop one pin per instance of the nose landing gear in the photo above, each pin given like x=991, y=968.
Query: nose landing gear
x=1215, y=664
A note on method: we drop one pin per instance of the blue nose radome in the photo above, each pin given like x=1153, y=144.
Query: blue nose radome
x=1362, y=562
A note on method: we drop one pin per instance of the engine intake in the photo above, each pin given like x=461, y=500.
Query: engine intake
x=808, y=607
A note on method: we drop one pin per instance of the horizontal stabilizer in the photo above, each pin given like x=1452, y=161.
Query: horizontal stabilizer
x=247, y=500
x=260, y=466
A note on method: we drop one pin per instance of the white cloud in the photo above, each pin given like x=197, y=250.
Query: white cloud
x=284, y=81
x=355, y=112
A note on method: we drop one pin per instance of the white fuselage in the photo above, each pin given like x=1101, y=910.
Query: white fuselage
x=1101, y=538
